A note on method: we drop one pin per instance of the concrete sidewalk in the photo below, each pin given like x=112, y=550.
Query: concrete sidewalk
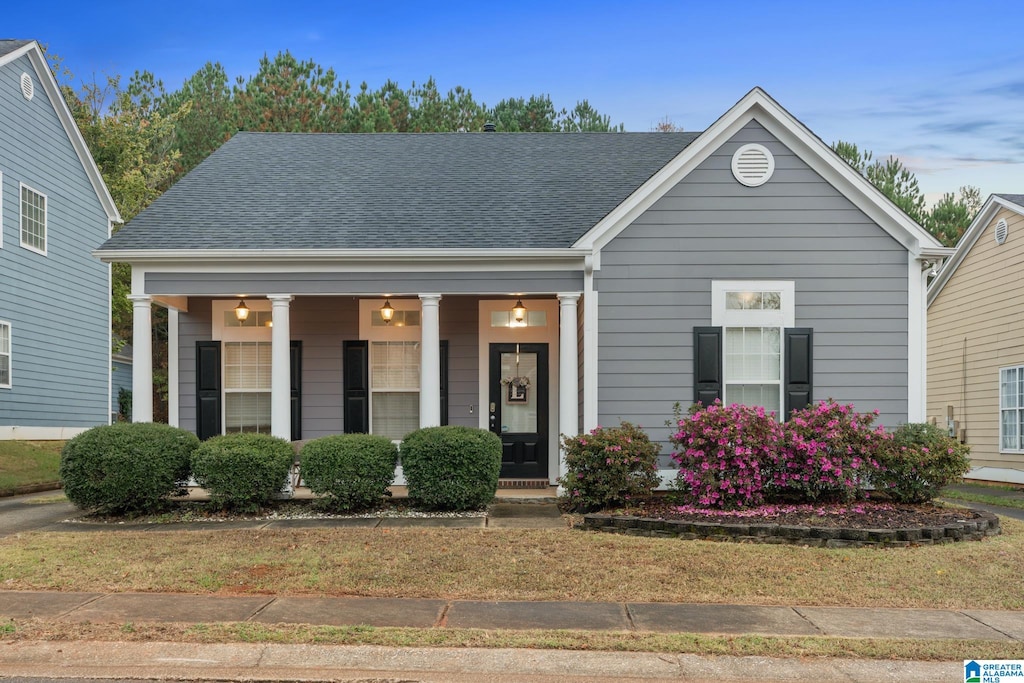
x=140, y=608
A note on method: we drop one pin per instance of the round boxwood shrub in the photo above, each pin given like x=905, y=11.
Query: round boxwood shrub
x=921, y=459
x=242, y=471
x=350, y=471
x=451, y=468
x=126, y=467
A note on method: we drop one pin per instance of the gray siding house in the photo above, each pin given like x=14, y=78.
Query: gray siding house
x=531, y=284
x=54, y=296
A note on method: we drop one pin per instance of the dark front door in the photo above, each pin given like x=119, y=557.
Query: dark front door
x=519, y=408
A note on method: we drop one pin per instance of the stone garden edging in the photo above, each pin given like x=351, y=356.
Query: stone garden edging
x=985, y=524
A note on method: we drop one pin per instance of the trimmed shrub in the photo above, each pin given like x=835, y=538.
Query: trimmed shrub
x=242, y=471
x=726, y=455
x=921, y=459
x=351, y=471
x=451, y=468
x=126, y=467
x=608, y=467
x=830, y=452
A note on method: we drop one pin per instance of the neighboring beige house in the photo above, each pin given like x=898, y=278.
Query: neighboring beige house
x=976, y=341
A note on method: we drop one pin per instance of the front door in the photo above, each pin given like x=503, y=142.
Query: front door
x=519, y=408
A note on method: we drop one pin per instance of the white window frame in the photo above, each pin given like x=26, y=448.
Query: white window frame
x=1018, y=410
x=21, y=218
x=388, y=333
x=784, y=317
x=225, y=391
x=220, y=332
x=9, y=355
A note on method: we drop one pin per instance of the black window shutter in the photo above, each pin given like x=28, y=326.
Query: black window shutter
x=355, y=354
x=296, y=373
x=799, y=385
x=707, y=364
x=444, y=381
x=208, y=396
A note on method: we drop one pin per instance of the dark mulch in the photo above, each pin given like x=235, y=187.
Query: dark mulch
x=860, y=515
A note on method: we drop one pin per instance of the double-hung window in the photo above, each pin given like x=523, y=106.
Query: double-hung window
x=5, y=355
x=1011, y=409
x=33, y=219
x=394, y=365
x=753, y=316
x=247, y=373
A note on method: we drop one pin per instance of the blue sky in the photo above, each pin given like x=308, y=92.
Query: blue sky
x=938, y=84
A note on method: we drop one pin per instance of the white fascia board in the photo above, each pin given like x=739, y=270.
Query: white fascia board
x=758, y=105
x=49, y=83
x=970, y=237
x=364, y=260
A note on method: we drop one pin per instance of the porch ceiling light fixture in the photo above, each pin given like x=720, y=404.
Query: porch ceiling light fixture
x=519, y=312
x=387, y=311
x=241, y=311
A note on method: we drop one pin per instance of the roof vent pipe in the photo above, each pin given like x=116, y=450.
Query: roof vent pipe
x=490, y=127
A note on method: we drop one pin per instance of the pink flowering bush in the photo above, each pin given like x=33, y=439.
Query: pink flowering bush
x=920, y=461
x=829, y=452
x=726, y=455
x=608, y=467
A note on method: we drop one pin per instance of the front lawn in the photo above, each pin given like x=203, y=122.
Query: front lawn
x=27, y=463
x=519, y=564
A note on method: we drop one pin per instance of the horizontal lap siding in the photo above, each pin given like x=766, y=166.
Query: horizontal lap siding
x=655, y=287
x=57, y=304
x=980, y=310
x=458, y=320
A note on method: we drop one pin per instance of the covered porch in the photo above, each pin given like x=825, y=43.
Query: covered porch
x=295, y=356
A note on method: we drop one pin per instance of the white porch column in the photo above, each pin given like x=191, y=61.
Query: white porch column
x=142, y=360
x=568, y=371
x=280, y=368
x=430, y=361
x=172, y=367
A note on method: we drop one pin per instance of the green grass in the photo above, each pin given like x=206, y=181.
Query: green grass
x=25, y=463
x=985, y=498
x=517, y=564
x=608, y=641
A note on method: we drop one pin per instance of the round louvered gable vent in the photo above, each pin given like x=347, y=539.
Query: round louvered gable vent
x=28, y=88
x=1002, y=230
x=753, y=165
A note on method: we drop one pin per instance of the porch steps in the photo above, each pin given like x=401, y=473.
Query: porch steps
x=523, y=483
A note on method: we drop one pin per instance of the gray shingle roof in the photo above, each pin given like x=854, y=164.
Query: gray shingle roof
x=1015, y=198
x=8, y=45
x=395, y=190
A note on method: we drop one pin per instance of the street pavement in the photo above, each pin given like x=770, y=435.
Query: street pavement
x=245, y=661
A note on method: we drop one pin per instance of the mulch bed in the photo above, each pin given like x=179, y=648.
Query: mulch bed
x=861, y=515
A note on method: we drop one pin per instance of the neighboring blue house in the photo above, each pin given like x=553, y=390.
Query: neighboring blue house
x=534, y=284
x=55, y=365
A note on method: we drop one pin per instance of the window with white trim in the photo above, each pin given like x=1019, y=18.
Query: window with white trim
x=5, y=355
x=33, y=219
x=394, y=388
x=394, y=364
x=1011, y=408
x=247, y=378
x=752, y=315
